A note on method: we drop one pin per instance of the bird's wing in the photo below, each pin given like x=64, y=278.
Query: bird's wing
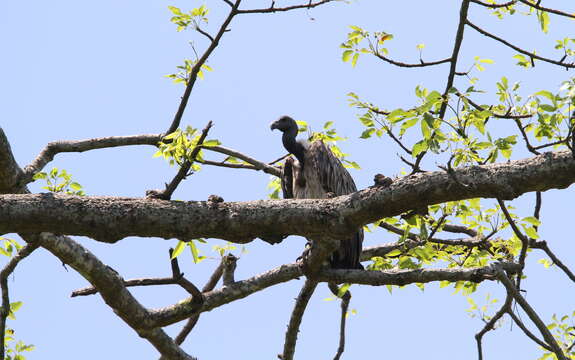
x=287, y=178
x=333, y=176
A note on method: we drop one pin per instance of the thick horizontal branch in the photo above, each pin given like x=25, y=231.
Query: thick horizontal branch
x=406, y=277
x=518, y=49
x=110, y=219
x=242, y=289
x=56, y=147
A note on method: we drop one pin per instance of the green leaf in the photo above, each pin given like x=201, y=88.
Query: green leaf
x=209, y=143
x=419, y=147
x=354, y=60
x=15, y=306
x=366, y=134
x=194, y=250
x=532, y=220
x=346, y=55
x=343, y=289
x=531, y=232
x=179, y=248
x=40, y=175
x=393, y=253
x=543, y=17
x=175, y=10
x=546, y=94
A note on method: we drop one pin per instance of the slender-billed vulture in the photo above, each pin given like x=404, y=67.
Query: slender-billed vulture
x=317, y=174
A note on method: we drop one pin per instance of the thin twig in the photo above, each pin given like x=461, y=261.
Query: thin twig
x=279, y=159
x=295, y=320
x=490, y=325
x=345, y=299
x=528, y=333
x=491, y=113
x=272, y=170
x=549, y=10
x=543, y=246
x=549, y=339
x=193, y=320
x=519, y=234
x=6, y=271
x=166, y=194
x=530, y=148
x=455, y=55
x=90, y=290
x=227, y=165
x=518, y=49
x=198, y=65
x=273, y=9
x=407, y=65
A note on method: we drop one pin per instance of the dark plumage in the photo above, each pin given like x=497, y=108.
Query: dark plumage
x=318, y=174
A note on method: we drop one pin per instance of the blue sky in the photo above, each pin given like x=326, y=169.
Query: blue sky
x=75, y=70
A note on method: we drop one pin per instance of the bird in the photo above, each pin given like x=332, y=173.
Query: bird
x=316, y=173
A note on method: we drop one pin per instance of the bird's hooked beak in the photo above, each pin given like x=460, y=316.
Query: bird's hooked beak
x=274, y=125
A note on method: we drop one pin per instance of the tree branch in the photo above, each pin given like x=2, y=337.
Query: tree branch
x=495, y=115
x=167, y=193
x=198, y=65
x=110, y=219
x=543, y=246
x=6, y=271
x=9, y=169
x=518, y=49
x=57, y=147
x=549, y=10
x=490, y=325
x=407, y=65
x=191, y=323
x=549, y=339
x=526, y=331
x=494, y=6
x=273, y=9
x=268, y=169
x=241, y=289
x=91, y=290
x=227, y=165
x=111, y=288
x=345, y=299
x=295, y=320
x=455, y=55
x=519, y=234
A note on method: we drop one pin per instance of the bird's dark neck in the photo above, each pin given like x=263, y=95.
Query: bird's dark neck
x=292, y=146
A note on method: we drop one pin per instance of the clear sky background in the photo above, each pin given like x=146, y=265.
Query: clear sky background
x=76, y=70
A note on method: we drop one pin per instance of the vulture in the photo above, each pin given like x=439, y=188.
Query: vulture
x=316, y=173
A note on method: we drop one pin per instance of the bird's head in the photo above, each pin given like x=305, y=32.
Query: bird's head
x=283, y=124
